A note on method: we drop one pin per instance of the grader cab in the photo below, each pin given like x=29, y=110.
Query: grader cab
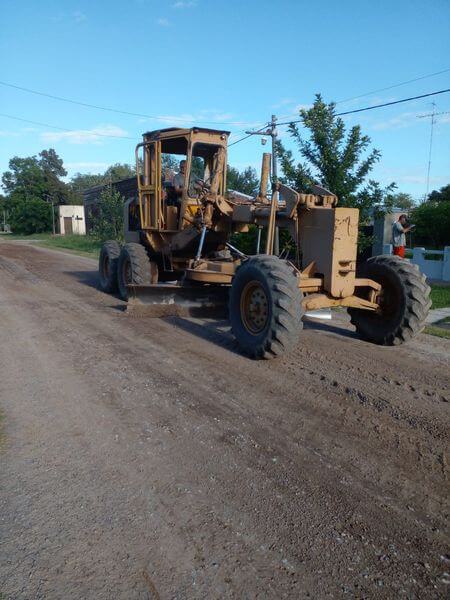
x=178, y=259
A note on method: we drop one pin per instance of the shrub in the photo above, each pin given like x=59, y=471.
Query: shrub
x=30, y=216
x=108, y=218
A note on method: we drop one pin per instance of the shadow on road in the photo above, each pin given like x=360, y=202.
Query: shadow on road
x=89, y=278
x=216, y=331
x=321, y=326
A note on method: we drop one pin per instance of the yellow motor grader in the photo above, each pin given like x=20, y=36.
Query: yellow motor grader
x=177, y=257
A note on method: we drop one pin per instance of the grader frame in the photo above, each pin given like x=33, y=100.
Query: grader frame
x=325, y=234
x=185, y=240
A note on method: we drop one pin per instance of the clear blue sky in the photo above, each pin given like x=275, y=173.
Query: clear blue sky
x=227, y=61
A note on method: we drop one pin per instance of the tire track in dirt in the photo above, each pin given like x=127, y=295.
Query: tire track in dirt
x=278, y=479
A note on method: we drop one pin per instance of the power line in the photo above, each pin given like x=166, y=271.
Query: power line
x=384, y=89
x=116, y=110
x=94, y=133
x=245, y=137
x=391, y=87
x=350, y=112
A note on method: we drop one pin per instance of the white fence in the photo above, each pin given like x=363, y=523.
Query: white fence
x=433, y=269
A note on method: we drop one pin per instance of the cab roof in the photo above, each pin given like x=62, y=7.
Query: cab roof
x=183, y=131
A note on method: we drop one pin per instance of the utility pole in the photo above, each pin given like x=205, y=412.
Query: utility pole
x=272, y=237
x=50, y=199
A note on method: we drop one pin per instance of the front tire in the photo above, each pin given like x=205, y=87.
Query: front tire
x=404, y=302
x=107, y=266
x=265, y=307
x=134, y=268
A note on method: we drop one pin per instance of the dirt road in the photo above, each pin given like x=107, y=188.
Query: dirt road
x=146, y=458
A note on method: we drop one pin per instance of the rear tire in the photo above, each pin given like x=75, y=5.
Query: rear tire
x=265, y=307
x=404, y=302
x=107, y=266
x=134, y=267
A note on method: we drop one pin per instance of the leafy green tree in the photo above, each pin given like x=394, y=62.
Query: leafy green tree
x=80, y=182
x=443, y=195
x=432, y=221
x=401, y=200
x=108, y=218
x=37, y=177
x=29, y=216
x=339, y=159
x=246, y=181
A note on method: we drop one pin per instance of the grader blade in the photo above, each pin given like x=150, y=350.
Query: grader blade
x=169, y=300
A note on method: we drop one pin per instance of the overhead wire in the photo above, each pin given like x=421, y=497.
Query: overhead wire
x=358, y=110
x=384, y=89
x=92, y=132
x=119, y=111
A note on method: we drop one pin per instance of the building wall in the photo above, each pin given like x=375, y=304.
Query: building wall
x=76, y=214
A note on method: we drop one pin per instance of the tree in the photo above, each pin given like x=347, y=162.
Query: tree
x=443, y=195
x=401, y=200
x=340, y=160
x=36, y=177
x=79, y=183
x=432, y=221
x=246, y=181
x=108, y=218
x=29, y=216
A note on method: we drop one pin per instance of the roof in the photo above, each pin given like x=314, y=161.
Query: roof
x=184, y=131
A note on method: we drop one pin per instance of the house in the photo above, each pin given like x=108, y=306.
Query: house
x=71, y=219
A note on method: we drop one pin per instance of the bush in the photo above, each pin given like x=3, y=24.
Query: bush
x=30, y=216
x=107, y=222
x=432, y=221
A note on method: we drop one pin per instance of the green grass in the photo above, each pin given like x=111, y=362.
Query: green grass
x=79, y=244
x=84, y=245
x=437, y=331
x=440, y=296
x=34, y=236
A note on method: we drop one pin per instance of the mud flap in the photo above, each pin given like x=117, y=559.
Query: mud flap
x=168, y=300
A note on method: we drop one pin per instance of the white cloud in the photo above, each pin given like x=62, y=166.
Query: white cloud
x=407, y=119
x=421, y=179
x=163, y=22
x=5, y=133
x=84, y=136
x=284, y=102
x=206, y=117
x=184, y=4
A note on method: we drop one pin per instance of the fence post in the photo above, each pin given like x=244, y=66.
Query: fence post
x=446, y=264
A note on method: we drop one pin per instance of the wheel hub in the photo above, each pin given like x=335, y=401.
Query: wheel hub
x=254, y=307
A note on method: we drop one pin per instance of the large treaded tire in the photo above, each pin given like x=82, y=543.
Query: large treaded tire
x=134, y=268
x=107, y=266
x=275, y=282
x=404, y=302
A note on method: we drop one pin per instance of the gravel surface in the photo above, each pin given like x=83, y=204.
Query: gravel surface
x=147, y=458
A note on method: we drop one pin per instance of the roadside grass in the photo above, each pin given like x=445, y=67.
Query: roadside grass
x=437, y=331
x=77, y=244
x=83, y=245
x=440, y=296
